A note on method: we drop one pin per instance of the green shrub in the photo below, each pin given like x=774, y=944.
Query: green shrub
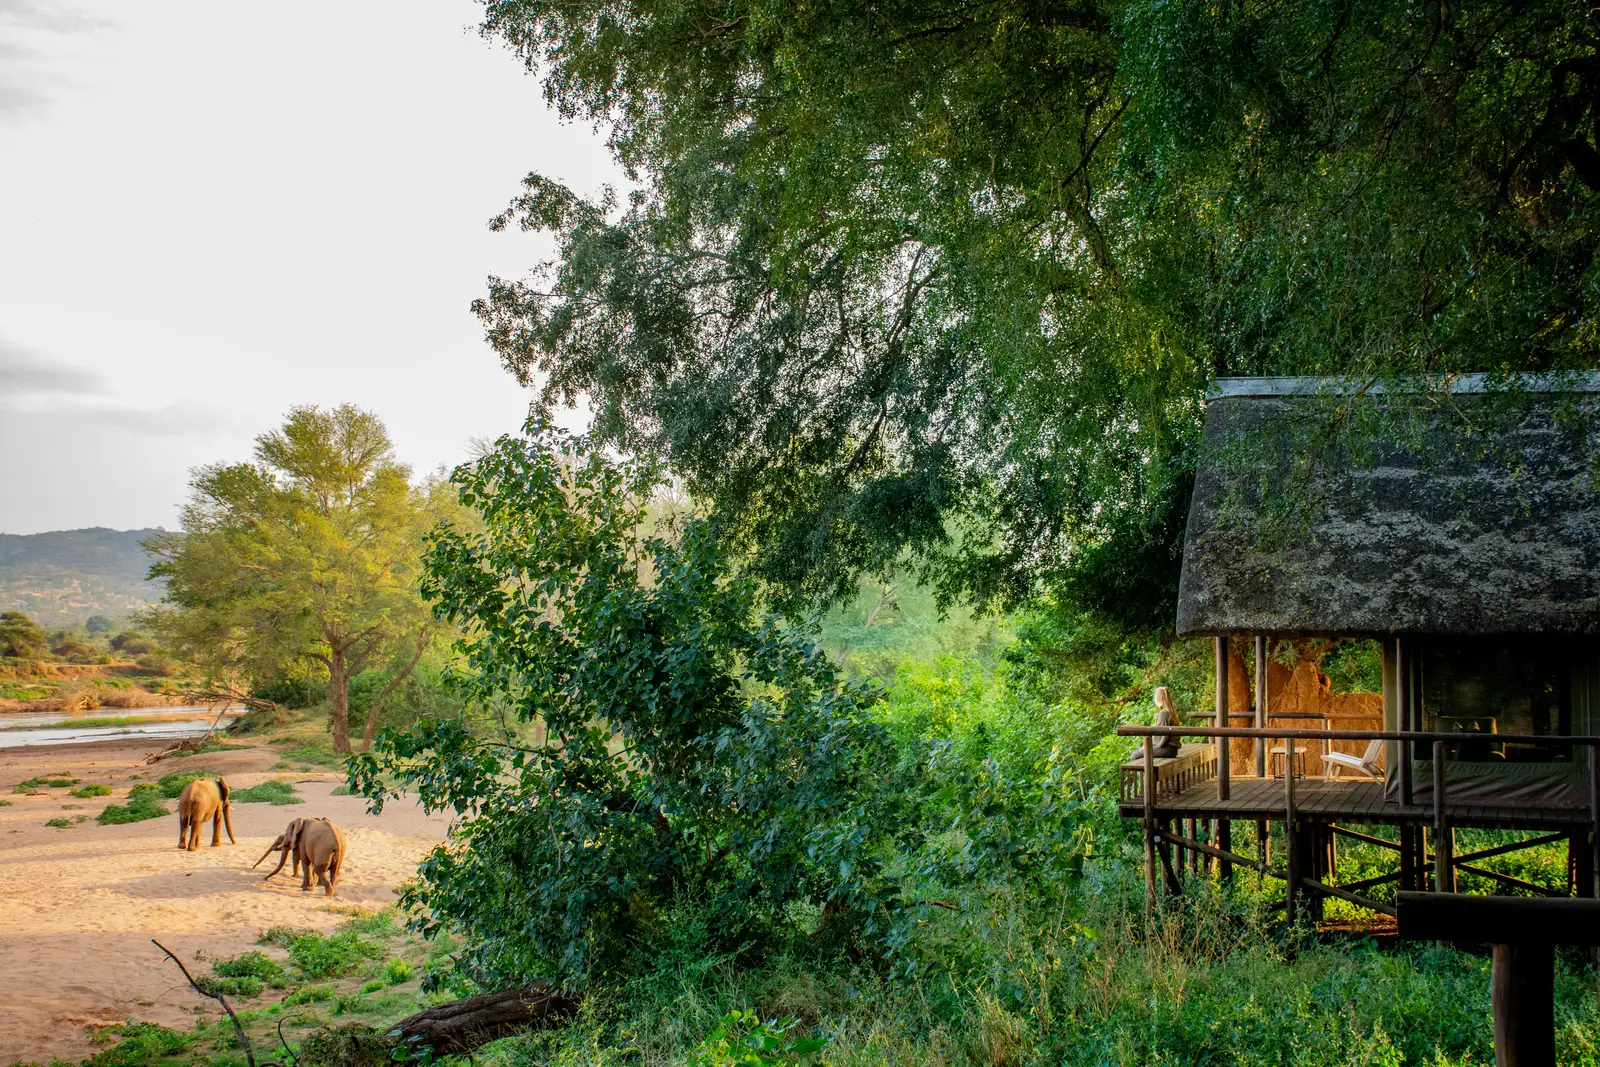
x=142, y=1043
x=276, y=792
x=60, y=822
x=5, y=803
x=48, y=781
x=144, y=802
x=172, y=784
x=252, y=964
x=93, y=789
x=316, y=956
x=243, y=986
x=372, y=986
x=380, y=923
x=396, y=971
x=156, y=664
x=283, y=936
x=308, y=994
x=741, y=1039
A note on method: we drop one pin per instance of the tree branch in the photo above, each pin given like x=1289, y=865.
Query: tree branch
x=244, y=1041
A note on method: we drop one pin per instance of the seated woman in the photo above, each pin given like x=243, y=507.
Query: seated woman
x=1166, y=746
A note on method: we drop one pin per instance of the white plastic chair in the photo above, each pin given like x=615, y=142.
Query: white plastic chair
x=1367, y=764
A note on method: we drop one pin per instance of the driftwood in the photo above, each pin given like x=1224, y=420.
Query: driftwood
x=462, y=1025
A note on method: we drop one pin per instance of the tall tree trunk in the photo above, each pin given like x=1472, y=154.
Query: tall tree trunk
x=339, y=694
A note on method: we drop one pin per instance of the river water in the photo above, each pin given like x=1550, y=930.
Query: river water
x=42, y=727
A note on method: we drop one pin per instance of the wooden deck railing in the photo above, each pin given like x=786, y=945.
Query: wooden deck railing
x=1444, y=864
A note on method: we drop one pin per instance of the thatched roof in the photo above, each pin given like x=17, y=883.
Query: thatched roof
x=1322, y=509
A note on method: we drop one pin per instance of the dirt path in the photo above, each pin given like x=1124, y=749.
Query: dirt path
x=79, y=906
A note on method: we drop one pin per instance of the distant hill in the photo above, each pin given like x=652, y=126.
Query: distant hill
x=62, y=578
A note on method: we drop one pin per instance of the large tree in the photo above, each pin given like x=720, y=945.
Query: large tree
x=947, y=278
x=308, y=553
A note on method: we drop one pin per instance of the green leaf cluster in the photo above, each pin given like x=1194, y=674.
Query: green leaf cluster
x=144, y=802
x=945, y=281
x=664, y=738
x=742, y=1039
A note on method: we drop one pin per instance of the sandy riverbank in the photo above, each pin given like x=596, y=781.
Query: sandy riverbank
x=79, y=906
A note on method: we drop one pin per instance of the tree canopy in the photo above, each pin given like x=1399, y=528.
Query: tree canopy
x=309, y=553
x=945, y=280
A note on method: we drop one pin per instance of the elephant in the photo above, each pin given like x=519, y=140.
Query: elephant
x=316, y=845
x=200, y=800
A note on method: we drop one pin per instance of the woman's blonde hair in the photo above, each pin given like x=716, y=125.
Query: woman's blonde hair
x=1164, y=700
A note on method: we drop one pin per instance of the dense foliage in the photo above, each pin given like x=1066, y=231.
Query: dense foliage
x=947, y=279
x=307, y=555
x=664, y=738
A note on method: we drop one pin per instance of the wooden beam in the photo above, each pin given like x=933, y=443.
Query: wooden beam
x=1515, y=846
x=1291, y=854
x=1505, y=920
x=1261, y=704
x=1522, y=993
x=1224, y=762
x=1506, y=879
x=1345, y=894
x=1368, y=838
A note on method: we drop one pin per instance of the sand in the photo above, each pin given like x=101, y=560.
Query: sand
x=79, y=906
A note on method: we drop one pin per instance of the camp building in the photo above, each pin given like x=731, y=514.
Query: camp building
x=1455, y=524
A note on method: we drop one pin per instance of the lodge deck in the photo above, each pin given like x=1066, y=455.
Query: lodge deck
x=1342, y=801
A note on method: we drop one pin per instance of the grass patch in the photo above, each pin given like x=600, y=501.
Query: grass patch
x=144, y=802
x=316, y=956
x=171, y=785
x=283, y=936
x=93, y=789
x=48, y=781
x=308, y=995
x=141, y=1044
x=277, y=792
x=5, y=803
x=359, y=920
x=61, y=822
x=209, y=746
x=307, y=752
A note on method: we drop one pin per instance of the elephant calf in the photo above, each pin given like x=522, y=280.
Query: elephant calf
x=316, y=845
x=200, y=800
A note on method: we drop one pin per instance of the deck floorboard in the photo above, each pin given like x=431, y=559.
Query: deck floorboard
x=1334, y=801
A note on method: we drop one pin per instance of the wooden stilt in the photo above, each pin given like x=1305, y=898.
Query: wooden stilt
x=1521, y=989
x=1225, y=843
x=1149, y=825
x=1291, y=853
x=1443, y=869
x=1224, y=756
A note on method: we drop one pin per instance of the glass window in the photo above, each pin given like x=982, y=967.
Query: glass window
x=1498, y=687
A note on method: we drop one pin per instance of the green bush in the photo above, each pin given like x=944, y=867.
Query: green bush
x=276, y=792
x=48, y=781
x=741, y=1039
x=244, y=986
x=94, y=789
x=172, y=784
x=60, y=822
x=141, y=1044
x=144, y=802
x=251, y=964
x=283, y=936
x=316, y=956
x=309, y=994
x=396, y=971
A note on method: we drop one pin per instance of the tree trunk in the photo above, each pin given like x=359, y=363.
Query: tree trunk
x=462, y=1025
x=339, y=695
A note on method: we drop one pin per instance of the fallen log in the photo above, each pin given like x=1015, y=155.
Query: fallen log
x=462, y=1025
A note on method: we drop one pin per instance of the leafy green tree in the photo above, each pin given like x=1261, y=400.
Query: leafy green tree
x=308, y=553
x=20, y=636
x=669, y=740
x=133, y=643
x=946, y=280
x=97, y=624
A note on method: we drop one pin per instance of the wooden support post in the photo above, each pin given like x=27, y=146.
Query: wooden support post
x=1261, y=705
x=1443, y=870
x=1225, y=843
x=1521, y=990
x=1407, y=834
x=1291, y=851
x=1594, y=820
x=1149, y=824
x=1582, y=865
x=1263, y=842
x=1403, y=702
x=1224, y=757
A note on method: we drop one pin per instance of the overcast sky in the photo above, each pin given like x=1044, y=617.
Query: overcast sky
x=210, y=212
